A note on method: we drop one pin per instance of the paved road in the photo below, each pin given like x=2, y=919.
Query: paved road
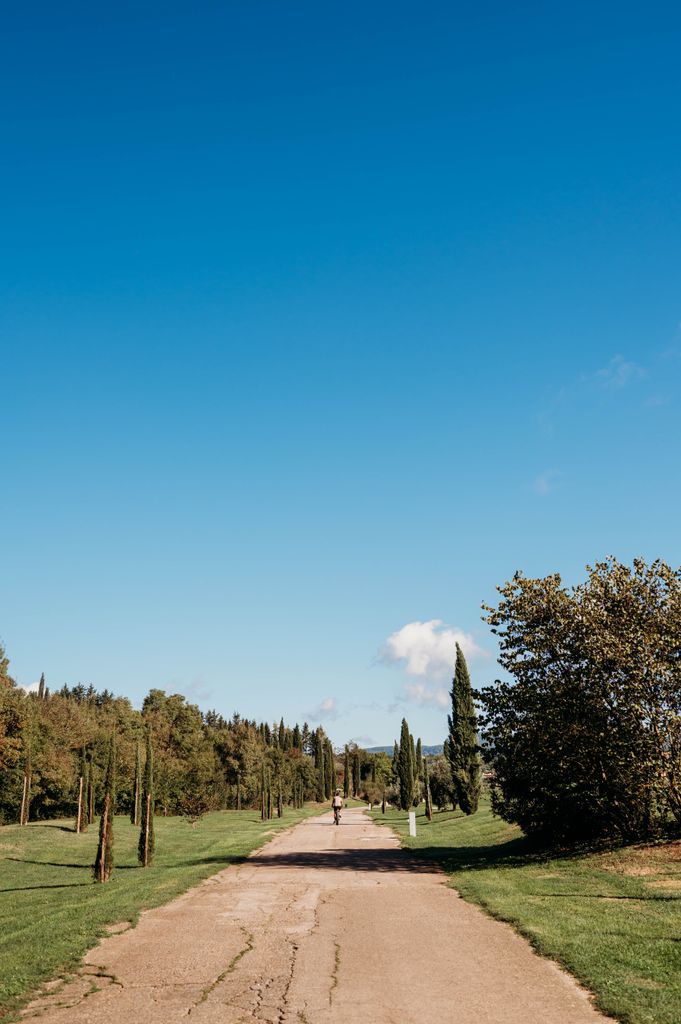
x=324, y=925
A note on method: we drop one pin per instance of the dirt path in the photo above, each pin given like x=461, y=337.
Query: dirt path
x=322, y=925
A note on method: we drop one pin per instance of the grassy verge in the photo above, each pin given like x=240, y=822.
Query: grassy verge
x=51, y=911
x=612, y=919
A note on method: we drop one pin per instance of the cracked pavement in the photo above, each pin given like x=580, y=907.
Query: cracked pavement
x=323, y=925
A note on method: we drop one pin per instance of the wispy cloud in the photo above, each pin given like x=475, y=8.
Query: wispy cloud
x=325, y=711
x=427, y=648
x=546, y=482
x=619, y=373
x=33, y=688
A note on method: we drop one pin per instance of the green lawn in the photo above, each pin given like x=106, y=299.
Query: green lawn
x=613, y=919
x=51, y=911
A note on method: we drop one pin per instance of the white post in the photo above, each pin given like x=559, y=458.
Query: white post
x=412, y=823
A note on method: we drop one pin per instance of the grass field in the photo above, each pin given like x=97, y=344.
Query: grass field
x=51, y=911
x=612, y=918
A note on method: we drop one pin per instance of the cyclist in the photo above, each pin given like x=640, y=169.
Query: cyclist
x=337, y=803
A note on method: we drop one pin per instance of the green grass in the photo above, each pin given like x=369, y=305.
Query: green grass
x=611, y=918
x=51, y=912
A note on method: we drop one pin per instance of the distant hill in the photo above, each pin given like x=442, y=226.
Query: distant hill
x=430, y=751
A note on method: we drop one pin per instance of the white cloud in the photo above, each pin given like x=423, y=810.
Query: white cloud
x=618, y=373
x=428, y=648
x=326, y=710
x=422, y=693
x=33, y=688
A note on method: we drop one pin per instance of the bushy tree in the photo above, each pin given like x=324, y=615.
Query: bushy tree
x=586, y=740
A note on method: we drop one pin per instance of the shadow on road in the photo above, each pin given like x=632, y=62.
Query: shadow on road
x=342, y=859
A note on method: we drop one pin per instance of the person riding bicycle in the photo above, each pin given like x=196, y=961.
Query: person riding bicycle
x=337, y=803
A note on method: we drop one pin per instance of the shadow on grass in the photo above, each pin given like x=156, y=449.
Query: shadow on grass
x=59, y=864
x=63, y=885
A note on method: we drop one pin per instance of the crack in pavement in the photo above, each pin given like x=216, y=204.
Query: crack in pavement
x=231, y=966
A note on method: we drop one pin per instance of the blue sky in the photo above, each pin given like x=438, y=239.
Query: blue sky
x=318, y=321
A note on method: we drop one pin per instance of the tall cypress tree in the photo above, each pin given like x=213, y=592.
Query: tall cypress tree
x=405, y=770
x=426, y=786
x=81, y=796
x=462, y=749
x=346, y=774
x=28, y=774
x=356, y=773
x=145, y=849
x=104, y=860
x=137, y=788
x=330, y=770
x=419, y=758
x=41, y=687
x=319, y=764
x=396, y=757
x=90, y=791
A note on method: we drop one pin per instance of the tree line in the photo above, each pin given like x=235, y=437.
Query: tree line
x=55, y=749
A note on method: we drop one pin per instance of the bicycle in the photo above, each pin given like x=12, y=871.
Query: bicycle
x=336, y=816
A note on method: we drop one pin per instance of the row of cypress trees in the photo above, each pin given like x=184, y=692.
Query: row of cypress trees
x=142, y=813
x=461, y=750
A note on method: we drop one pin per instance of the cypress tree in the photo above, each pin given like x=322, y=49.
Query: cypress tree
x=419, y=758
x=137, y=788
x=356, y=773
x=145, y=849
x=319, y=765
x=282, y=735
x=90, y=791
x=426, y=786
x=104, y=861
x=26, y=792
x=396, y=756
x=41, y=687
x=297, y=739
x=405, y=770
x=346, y=773
x=81, y=808
x=330, y=770
x=263, y=792
x=463, y=740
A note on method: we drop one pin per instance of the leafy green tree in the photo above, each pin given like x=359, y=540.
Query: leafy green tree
x=441, y=784
x=104, y=860
x=585, y=742
x=463, y=750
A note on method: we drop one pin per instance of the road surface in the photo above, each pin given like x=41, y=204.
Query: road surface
x=324, y=925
